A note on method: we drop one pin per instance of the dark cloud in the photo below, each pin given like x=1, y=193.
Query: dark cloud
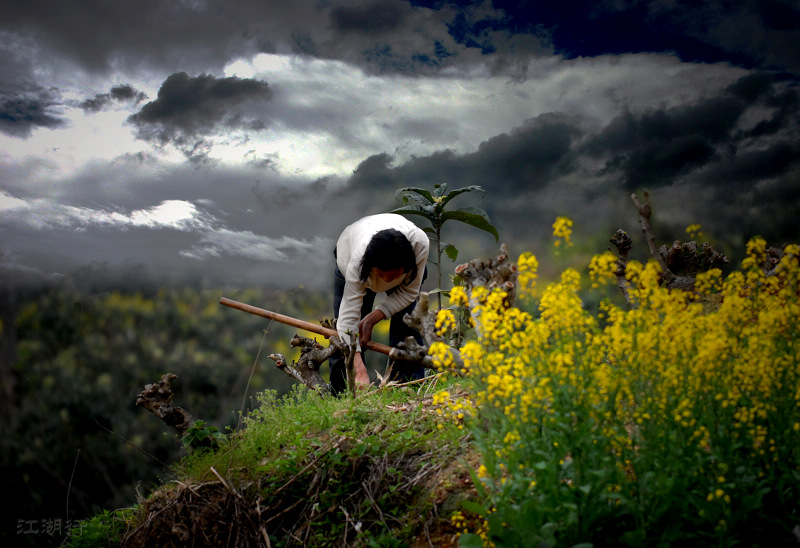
x=388, y=35
x=124, y=34
x=188, y=108
x=529, y=156
x=21, y=114
x=418, y=36
x=743, y=170
x=786, y=114
x=659, y=163
x=124, y=93
x=760, y=31
x=749, y=88
x=370, y=18
x=272, y=198
x=374, y=173
x=659, y=145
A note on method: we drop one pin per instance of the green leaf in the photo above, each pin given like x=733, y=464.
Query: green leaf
x=417, y=198
x=429, y=230
x=473, y=216
x=470, y=540
x=453, y=193
x=415, y=210
x=473, y=507
x=451, y=251
x=421, y=191
x=439, y=190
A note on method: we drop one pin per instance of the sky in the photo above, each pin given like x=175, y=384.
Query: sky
x=228, y=142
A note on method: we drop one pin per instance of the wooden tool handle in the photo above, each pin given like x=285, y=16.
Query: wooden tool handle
x=294, y=322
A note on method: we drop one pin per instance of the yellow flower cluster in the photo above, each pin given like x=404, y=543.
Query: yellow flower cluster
x=459, y=521
x=561, y=307
x=693, y=231
x=562, y=229
x=463, y=524
x=442, y=355
x=602, y=269
x=677, y=367
x=719, y=494
x=445, y=322
x=709, y=282
x=458, y=296
x=528, y=267
x=456, y=408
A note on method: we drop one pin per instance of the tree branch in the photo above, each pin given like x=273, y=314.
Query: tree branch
x=495, y=273
x=491, y=273
x=671, y=280
x=688, y=257
x=306, y=369
x=157, y=398
x=623, y=243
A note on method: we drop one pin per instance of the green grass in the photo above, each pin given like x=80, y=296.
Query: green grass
x=104, y=529
x=304, y=470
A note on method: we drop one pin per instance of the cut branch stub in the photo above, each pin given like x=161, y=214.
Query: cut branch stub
x=423, y=320
x=496, y=273
x=306, y=369
x=157, y=398
x=679, y=262
x=623, y=243
x=491, y=273
x=689, y=258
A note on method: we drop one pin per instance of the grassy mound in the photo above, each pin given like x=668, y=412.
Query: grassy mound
x=385, y=469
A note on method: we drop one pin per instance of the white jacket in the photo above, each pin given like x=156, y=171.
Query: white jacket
x=350, y=250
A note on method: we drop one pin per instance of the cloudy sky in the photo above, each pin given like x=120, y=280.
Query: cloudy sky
x=229, y=141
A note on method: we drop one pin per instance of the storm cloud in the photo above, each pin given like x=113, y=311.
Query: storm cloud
x=118, y=94
x=230, y=142
x=21, y=114
x=191, y=107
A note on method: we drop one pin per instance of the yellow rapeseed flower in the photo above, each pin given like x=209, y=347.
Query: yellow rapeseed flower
x=671, y=367
x=602, y=269
x=562, y=229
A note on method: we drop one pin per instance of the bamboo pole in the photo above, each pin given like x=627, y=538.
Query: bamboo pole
x=294, y=322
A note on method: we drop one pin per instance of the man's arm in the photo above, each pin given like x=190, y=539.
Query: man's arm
x=367, y=323
x=362, y=377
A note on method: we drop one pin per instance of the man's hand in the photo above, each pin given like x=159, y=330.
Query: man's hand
x=362, y=377
x=366, y=324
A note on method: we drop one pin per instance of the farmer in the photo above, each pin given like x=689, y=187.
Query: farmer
x=379, y=253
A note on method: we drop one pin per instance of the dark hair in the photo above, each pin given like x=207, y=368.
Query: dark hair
x=387, y=250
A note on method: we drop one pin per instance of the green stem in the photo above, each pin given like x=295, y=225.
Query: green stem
x=439, y=264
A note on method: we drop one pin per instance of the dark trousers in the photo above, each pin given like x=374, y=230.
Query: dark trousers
x=398, y=331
